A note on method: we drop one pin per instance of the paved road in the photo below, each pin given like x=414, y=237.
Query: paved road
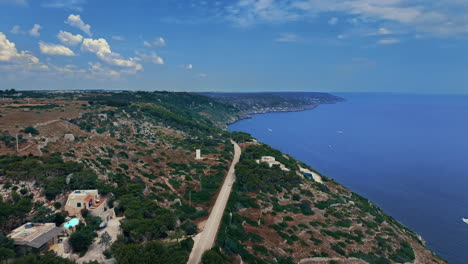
x=207, y=237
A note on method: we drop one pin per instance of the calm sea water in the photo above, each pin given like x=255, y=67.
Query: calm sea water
x=406, y=153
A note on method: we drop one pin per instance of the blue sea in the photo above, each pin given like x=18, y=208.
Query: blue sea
x=406, y=153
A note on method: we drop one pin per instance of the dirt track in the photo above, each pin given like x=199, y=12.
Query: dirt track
x=204, y=241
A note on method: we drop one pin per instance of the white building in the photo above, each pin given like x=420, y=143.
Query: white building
x=85, y=199
x=69, y=137
x=272, y=161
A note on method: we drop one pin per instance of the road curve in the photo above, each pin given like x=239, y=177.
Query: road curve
x=207, y=237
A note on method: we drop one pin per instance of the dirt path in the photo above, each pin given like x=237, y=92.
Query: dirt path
x=204, y=241
x=46, y=123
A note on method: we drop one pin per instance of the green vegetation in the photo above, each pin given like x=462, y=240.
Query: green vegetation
x=214, y=257
x=155, y=133
x=82, y=239
x=49, y=172
x=241, y=137
x=253, y=176
x=31, y=130
x=404, y=254
x=9, y=140
x=145, y=220
x=151, y=252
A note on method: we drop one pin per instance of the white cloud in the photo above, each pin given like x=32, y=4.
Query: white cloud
x=102, y=49
x=9, y=53
x=202, y=75
x=151, y=57
x=7, y=49
x=75, y=21
x=158, y=42
x=333, y=21
x=16, y=30
x=35, y=30
x=189, y=67
x=383, y=31
x=54, y=49
x=97, y=70
x=76, y=5
x=287, y=37
x=69, y=69
x=389, y=41
x=248, y=12
x=69, y=39
x=437, y=17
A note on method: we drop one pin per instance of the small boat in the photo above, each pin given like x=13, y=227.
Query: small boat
x=465, y=220
x=269, y=129
x=339, y=132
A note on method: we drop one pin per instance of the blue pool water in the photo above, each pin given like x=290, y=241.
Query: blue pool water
x=406, y=153
x=72, y=223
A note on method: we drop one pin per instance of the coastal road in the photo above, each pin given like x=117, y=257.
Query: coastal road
x=205, y=240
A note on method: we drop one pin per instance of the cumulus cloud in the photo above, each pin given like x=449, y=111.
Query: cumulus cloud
x=151, y=57
x=158, y=42
x=287, y=37
x=75, y=21
x=69, y=39
x=189, y=67
x=9, y=53
x=34, y=31
x=389, y=41
x=103, y=51
x=54, y=49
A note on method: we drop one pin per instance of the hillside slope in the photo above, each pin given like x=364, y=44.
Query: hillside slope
x=138, y=149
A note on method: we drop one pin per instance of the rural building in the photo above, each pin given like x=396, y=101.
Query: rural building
x=36, y=236
x=198, y=154
x=272, y=161
x=69, y=137
x=310, y=175
x=102, y=117
x=85, y=199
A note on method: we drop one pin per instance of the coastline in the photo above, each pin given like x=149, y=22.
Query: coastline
x=249, y=114
x=405, y=226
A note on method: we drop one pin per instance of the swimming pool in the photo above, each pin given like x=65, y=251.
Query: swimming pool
x=72, y=223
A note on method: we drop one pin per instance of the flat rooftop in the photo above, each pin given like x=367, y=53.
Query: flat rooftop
x=34, y=235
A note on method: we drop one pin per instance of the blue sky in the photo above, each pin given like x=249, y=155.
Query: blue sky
x=411, y=46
